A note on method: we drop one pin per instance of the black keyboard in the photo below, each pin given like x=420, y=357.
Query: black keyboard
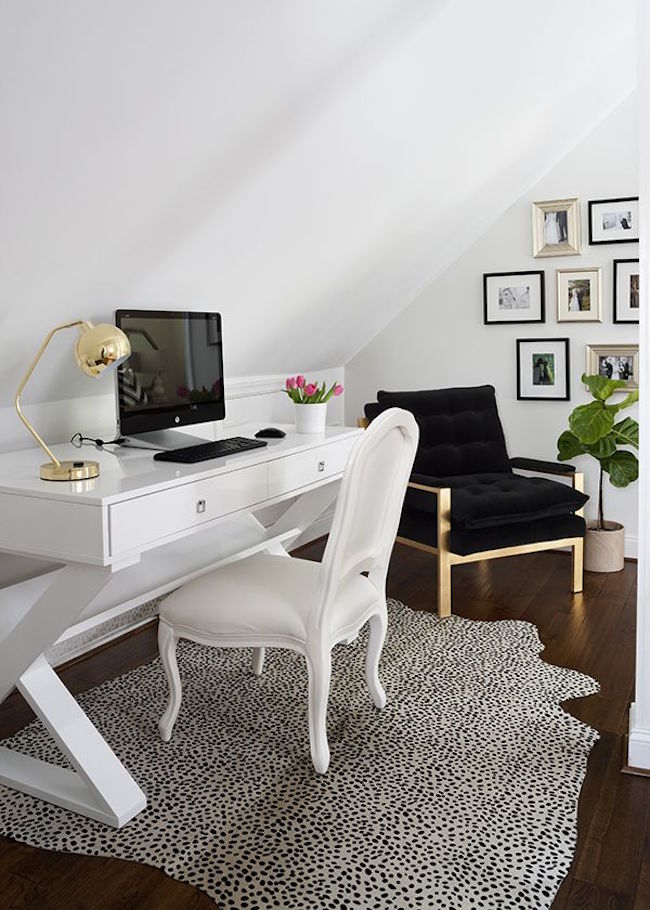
x=207, y=450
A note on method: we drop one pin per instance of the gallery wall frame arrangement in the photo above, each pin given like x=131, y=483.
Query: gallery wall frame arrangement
x=615, y=361
x=579, y=295
x=543, y=369
x=557, y=228
x=626, y=290
x=513, y=297
x=614, y=220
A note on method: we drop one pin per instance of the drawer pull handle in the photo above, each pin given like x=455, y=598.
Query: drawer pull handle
x=200, y=506
x=321, y=466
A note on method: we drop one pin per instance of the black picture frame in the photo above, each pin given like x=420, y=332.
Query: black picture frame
x=618, y=262
x=542, y=298
x=566, y=396
x=590, y=207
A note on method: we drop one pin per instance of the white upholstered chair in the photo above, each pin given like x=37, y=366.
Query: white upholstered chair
x=274, y=601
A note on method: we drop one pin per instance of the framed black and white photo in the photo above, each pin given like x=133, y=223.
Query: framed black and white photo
x=579, y=295
x=614, y=220
x=513, y=297
x=615, y=361
x=626, y=290
x=556, y=228
x=543, y=369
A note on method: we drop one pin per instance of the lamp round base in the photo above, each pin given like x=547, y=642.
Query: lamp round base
x=70, y=470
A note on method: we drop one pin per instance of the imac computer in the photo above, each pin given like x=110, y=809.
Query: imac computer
x=173, y=378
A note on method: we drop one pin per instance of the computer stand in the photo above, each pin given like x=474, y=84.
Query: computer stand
x=162, y=440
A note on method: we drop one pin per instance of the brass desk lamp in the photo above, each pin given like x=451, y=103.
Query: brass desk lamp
x=99, y=348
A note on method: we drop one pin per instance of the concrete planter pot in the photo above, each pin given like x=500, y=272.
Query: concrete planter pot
x=604, y=549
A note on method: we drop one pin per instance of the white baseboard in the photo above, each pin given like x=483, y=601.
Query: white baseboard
x=631, y=546
x=638, y=745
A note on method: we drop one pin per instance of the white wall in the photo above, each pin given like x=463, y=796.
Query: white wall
x=440, y=340
x=303, y=167
x=638, y=745
x=249, y=398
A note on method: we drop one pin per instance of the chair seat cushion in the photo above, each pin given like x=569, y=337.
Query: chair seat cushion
x=421, y=527
x=262, y=597
x=488, y=500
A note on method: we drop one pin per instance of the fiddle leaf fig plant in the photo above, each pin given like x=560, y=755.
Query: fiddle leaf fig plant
x=594, y=430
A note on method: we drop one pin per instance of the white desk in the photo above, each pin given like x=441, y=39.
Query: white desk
x=139, y=530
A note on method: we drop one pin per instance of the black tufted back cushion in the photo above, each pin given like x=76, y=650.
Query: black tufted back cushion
x=460, y=430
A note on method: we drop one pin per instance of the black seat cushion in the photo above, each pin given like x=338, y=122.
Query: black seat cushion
x=460, y=429
x=487, y=500
x=421, y=527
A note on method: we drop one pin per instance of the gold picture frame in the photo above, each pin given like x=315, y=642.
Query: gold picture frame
x=615, y=361
x=557, y=228
x=580, y=295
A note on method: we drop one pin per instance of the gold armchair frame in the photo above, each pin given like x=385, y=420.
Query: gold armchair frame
x=447, y=558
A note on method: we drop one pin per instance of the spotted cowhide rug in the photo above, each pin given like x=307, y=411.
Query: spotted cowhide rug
x=461, y=793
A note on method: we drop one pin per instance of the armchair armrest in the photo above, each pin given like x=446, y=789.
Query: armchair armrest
x=542, y=467
x=422, y=482
x=442, y=515
x=425, y=487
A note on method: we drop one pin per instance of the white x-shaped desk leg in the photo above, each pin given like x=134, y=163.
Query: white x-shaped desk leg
x=99, y=786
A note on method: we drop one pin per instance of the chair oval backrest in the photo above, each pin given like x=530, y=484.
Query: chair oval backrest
x=369, y=504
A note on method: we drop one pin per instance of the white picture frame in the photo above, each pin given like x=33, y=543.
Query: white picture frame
x=615, y=361
x=557, y=228
x=580, y=295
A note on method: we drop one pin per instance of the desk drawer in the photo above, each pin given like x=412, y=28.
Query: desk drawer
x=139, y=522
x=304, y=468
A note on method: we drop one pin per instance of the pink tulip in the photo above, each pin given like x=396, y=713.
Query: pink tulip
x=310, y=389
x=300, y=381
x=338, y=389
x=291, y=382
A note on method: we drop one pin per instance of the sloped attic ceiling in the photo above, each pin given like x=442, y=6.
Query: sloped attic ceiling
x=304, y=167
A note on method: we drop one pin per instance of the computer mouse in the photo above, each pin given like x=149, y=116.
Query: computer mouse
x=270, y=433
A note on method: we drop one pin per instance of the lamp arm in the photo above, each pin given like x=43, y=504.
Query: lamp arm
x=25, y=380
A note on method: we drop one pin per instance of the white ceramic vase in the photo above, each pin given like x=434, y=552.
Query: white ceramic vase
x=310, y=418
x=604, y=550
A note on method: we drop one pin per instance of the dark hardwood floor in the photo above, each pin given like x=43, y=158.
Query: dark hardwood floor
x=593, y=633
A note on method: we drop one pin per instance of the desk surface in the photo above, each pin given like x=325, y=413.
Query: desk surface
x=125, y=471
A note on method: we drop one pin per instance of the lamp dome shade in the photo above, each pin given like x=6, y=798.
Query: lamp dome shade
x=101, y=347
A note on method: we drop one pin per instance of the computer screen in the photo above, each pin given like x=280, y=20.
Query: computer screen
x=174, y=376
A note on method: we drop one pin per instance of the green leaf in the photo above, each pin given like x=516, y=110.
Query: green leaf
x=627, y=432
x=601, y=387
x=569, y=446
x=590, y=422
x=605, y=447
x=622, y=467
x=626, y=402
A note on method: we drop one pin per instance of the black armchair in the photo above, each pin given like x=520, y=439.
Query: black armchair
x=464, y=502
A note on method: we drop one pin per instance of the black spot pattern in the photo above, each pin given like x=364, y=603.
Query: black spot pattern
x=460, y=795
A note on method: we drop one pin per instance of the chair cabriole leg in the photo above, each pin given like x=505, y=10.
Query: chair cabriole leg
x=319, y=668
x=258, y=661
x=377, y=633
x=167, y=641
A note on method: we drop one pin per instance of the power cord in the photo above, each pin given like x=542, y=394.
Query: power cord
x=78, y=440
